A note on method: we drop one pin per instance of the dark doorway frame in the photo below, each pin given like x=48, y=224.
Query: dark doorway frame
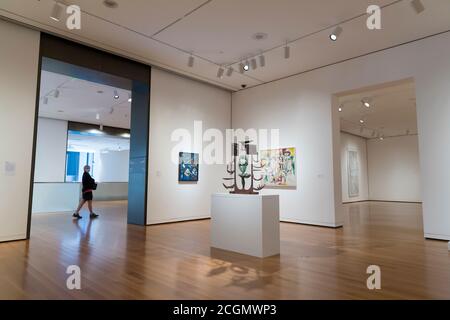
x=87, y=63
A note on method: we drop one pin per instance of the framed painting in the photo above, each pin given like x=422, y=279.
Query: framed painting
x=279, y=168
x=353, y=173
x=188, y=166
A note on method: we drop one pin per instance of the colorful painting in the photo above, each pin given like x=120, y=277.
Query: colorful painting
x=353, y=173
x=188, y=166
x=279, y=168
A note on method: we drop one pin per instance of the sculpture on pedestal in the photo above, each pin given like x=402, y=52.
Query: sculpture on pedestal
x=242, y=168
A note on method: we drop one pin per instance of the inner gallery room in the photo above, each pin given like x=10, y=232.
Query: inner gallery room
x=225, y=150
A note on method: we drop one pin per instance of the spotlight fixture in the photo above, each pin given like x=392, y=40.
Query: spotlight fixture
x=366, y=103
x=336, y=33
x=45, y=100
x=253, y=63
x=56, y=11
x=129, y=97
x=220, y=72
x=56, y=93
x=191, y=61
x=262, y=61
x=246, y=66
x=116, y=94
x=241, y=67
x=101, y=127
x=374, y=133
x=97, y=116
x=418, y=6
x=381, y=137
x=230, y=71
x=340, y=108
x=287, y=52
x=361, y=121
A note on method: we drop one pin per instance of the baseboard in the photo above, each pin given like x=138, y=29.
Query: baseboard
x=313, y=223
x=15, y=237
x=443, y=237
x=392, y=201
x=175, y=220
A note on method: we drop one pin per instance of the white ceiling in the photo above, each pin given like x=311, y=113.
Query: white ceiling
x=96, y=143
x=392, y=111
x=164, y=32
x=81, y=101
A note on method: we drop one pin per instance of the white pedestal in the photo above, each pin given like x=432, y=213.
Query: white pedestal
x=248, y=224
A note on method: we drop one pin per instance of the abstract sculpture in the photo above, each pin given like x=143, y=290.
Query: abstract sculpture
x=244, y=155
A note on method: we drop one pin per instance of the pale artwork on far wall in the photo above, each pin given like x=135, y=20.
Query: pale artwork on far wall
x=279, y=168
x=353, y=173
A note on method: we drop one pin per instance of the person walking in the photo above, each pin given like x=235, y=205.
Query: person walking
x=88, y=186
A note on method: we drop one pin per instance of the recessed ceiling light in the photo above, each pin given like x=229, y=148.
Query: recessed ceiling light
x=99, y=91
x=361, y=121
x=259, y=36
x=246, y=66
x=110, y=4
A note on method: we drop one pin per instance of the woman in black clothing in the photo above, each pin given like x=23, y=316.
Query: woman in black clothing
x=88, y=186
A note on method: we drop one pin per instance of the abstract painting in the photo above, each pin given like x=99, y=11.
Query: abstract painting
x=279, y=168
x=353, y=173
x=188, y=166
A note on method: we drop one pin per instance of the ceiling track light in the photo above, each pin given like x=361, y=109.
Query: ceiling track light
x=220, y=72
x=191, y=61
x=97, y=116
x=56, y=95
x=341, y=107
x=262, y=61
x=241, y=67
x=365, y=103
x=246, y=66
x=230, y=71
x=129, y=97
x=45, y=100
x=253, y=63
x=287, y=52
x=336, y=33
x=56, y=11
x=418, y=6
x=116, y=94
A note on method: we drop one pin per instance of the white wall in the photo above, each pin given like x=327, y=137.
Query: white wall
x=112, y=166
x=19, y=54
x=177, y=102
x=358, y=144
x=51, y=146
x=56, y=197
x=394, y=169
x=301, y=107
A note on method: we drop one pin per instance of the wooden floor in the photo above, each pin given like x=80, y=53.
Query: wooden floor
x=174, y=261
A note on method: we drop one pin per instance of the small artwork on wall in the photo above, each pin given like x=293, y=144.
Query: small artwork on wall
x=353, y=173
x=188, y=166
x=279, y=168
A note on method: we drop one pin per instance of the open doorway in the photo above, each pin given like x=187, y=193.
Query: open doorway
x=80, y=123
x=92, y=110
x=379, y=144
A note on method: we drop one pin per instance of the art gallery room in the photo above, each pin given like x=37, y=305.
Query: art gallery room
x=225, y=150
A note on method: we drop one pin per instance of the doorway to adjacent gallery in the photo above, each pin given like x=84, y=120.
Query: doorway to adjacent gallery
x=379, y=145
x=92, y=111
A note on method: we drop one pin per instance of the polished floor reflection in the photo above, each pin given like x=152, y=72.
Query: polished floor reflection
x=174, y=261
